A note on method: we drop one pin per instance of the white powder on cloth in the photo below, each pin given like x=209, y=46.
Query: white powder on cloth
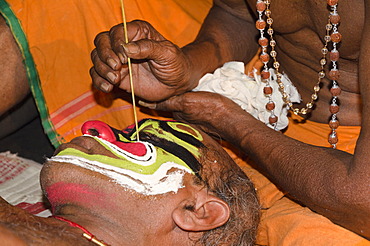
x=231, y=82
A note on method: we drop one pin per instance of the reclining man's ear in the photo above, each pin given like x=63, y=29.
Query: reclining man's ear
x=205, y=212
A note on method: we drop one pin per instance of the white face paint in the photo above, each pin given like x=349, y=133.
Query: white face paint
x=151, y=174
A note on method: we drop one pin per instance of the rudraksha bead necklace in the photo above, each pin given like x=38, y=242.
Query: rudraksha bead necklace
x=332, y=35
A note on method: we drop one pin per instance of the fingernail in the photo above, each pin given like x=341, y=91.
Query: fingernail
x=106, y=87
x=148, y=105
x=131, y=48
x=112, y=77
x=112, y=63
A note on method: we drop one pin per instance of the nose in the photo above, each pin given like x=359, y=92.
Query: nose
x=104, y=131
x=98, y=129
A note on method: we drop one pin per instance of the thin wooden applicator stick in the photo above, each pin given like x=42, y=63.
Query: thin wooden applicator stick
x=130, y=71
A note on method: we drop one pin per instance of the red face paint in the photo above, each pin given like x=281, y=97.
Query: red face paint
x=102, y=130
x=62, y=193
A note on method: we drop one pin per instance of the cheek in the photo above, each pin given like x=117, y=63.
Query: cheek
x=62, y=192
x=46, y=176
x=155, y=211
x=67, y=184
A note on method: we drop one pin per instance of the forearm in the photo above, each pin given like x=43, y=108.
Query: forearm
x=330, y=182
x=325, y=180
x=223, y=37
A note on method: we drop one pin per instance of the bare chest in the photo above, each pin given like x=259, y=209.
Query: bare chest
x=299, y=29
x=302, y=22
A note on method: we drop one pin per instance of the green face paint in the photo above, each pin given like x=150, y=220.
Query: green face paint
x=155, y=165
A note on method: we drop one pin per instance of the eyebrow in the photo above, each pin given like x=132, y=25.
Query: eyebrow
x=175, y=149
x=181, y=135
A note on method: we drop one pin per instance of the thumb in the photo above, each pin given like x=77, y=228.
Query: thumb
x=172, y=104
x=149, y=49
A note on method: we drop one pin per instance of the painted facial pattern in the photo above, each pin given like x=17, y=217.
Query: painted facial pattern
x=154, y=165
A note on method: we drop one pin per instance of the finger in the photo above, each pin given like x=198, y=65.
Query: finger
x=173, y=104
x=159, y=51
x=99, y=82
x=136, y=30
x=105, y=52
x=117, y=38
x=148, y=104
x=125, y=81
x=103, y=70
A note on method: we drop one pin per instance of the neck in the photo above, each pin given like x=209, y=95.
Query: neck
x=86, y=234
x=111, y=231
x=88, y=223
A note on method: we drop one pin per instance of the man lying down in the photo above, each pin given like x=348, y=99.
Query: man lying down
x=176, y=186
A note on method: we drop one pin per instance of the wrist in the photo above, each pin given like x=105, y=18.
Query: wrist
x=198, y=63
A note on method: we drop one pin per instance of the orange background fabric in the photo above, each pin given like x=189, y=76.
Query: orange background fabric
x=61, y=34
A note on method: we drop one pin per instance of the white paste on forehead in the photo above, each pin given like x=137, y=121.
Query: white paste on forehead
x=160, y=182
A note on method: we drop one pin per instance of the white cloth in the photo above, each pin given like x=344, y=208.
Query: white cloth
x=231, y=82
x=20, y=183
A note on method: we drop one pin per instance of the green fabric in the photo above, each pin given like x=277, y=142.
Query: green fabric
x=32, y=74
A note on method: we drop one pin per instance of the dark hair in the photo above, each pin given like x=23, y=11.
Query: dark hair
x=227, y=181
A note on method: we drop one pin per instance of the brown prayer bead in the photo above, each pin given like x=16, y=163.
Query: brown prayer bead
x=332, y=2
x=273, y=119
x=267, y=90
x=335, y=91
x=270, y=106
x=334, y=55
x=334, y=19
x=261, y=6
x=334, y=108
x=265, y=74
x=334, y=74
x=260, y=24
x=334, y=124
x=264, y=57
x=333, y=139
x=336, y=37
x=263, y=41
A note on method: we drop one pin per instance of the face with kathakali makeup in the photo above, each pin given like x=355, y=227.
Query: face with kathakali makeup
x=154, y=165
x=152, y=186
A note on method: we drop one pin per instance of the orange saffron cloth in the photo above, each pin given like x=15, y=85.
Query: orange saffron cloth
x=60, y=35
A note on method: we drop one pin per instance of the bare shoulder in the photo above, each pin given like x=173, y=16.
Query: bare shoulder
x=237, y=8
x=13, y=79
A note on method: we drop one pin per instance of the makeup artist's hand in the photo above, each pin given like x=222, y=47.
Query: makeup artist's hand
x=160, y=68
x=213, y=113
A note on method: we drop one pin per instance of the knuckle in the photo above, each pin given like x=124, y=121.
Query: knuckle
x=115, y=29
x=142, y=24
x=92, y=72
x=99, y=37
x=144, y=30
x=93, y=54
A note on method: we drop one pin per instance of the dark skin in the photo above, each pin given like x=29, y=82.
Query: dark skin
x=18, y=227
x=13, y=81
x=330, y=182
x=115, y=214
